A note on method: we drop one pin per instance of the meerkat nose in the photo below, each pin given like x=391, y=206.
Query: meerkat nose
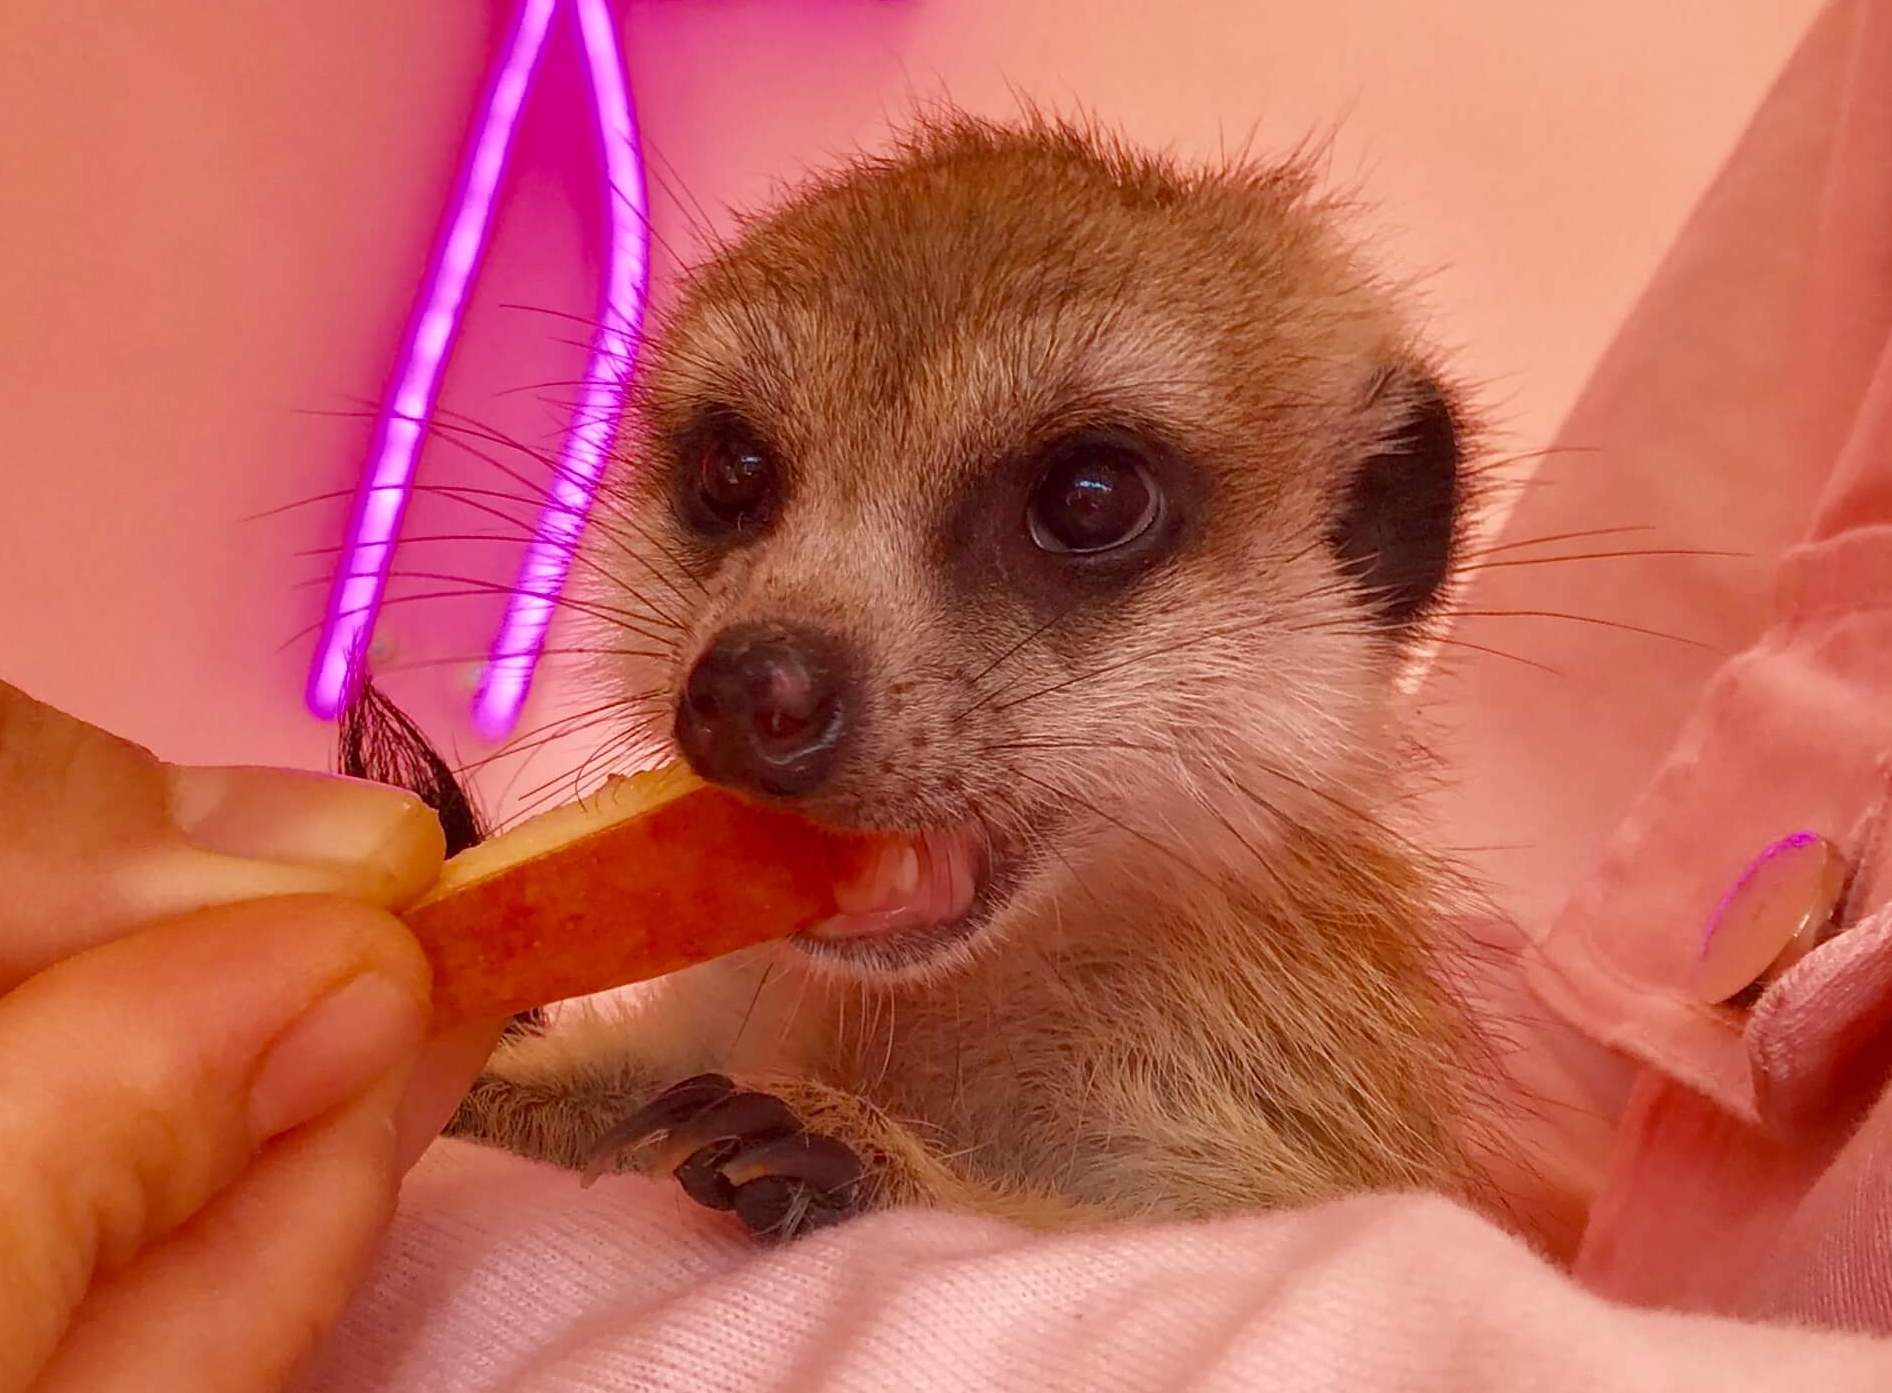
x=765, y=708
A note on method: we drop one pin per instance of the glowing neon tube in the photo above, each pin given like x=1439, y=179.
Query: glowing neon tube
x=573, y=490
x=361, y=580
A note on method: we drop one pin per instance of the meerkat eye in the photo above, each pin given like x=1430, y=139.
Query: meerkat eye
x=731, y=481
x=1095, y=494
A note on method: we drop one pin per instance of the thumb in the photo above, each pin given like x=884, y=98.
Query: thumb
x=97, y=834
x=140, y=1078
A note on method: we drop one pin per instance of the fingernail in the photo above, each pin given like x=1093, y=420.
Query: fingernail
x=287, y=815
x=338, y=1047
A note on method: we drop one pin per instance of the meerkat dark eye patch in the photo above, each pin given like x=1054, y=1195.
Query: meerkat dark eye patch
x=1096, y=494
x=1399, y=512
x=729, y=483
x=1072, y=517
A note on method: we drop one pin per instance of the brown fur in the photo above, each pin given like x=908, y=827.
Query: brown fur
x=1213, y=985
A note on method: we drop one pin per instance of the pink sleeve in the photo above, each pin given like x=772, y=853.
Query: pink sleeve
x=503, y=1275
x=1713, y=422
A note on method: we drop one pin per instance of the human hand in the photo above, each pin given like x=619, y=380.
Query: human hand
x=212, y=1068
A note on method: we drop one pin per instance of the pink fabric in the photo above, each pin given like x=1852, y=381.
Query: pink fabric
x=502, y=1276
x=1751, y=1173
x=1712, y=422
x=1761, y=1138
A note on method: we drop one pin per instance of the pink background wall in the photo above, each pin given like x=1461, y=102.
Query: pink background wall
x=215, y=216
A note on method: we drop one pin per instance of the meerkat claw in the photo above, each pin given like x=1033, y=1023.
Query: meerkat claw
x=731, y=1149
x=654, y=1120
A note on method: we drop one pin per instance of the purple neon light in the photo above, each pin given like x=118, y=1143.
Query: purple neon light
x=515, y=652
x=361, y=580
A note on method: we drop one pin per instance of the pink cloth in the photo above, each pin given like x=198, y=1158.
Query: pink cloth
x=1751, y=1173
x=504, y=1277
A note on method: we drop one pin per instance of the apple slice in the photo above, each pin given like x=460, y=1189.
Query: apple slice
x=649, y=874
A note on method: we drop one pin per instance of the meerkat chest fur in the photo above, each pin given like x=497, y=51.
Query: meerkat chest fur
x=1061, y=517
x=1174, y=1048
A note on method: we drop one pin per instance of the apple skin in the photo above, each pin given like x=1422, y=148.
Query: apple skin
x=693, y=877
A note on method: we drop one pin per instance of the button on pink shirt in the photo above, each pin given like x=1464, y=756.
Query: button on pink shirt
x=1747, y=403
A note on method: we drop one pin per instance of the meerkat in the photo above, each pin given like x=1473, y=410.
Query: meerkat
x=1063, y=516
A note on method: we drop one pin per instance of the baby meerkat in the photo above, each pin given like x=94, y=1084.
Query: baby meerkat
x=1065, y=517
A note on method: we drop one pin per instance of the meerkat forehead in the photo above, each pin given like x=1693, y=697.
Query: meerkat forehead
x=900, y=333
x=914, y=317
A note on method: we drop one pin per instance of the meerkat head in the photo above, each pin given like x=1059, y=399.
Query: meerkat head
x=1055, y=512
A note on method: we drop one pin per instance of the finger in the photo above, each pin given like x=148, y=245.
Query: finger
x=446, y=1070
x=141, y=1077
x=237, y=1299
x=248, y=833
x=97, y=835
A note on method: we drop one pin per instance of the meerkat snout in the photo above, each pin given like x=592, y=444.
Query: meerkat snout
x=766, y=708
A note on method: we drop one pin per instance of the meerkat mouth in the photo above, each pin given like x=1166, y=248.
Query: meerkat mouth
x=917, y=885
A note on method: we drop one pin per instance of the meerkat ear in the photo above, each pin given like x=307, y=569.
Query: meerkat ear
x=1398, y=514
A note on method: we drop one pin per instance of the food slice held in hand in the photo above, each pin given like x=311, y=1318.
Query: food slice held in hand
x=648, y=875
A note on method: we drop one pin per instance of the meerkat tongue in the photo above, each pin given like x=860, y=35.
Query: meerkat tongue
x=914, y=880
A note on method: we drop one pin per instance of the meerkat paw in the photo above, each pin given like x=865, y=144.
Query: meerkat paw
x=735, y=1149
